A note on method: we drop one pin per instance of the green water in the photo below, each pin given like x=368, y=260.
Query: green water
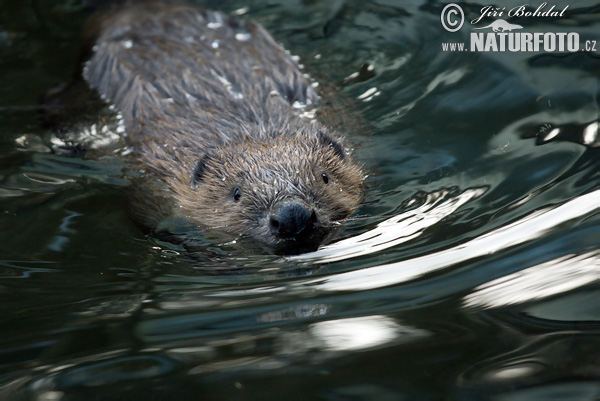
x=476, y=276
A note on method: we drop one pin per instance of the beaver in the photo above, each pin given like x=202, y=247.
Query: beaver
x=212, y=109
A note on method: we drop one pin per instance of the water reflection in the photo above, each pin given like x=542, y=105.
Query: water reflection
x=320, y=341
x=267, y=351
x=93, y=373
x=396, y=230
x=14, y=268
x=60, y=241
x=590, y=135
x=359, y=333
x=523, y=230
x=550, y=278
x=531, y=367
x=122, y=318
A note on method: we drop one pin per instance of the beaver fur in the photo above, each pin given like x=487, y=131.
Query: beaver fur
x=210, y=108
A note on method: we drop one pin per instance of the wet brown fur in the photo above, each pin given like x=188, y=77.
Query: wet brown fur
x=210, y=106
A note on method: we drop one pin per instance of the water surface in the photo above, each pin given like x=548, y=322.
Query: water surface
x=470, y=272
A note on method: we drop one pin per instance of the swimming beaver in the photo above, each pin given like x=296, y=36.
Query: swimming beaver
x=209, y=106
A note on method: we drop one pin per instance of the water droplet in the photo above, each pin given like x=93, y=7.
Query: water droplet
x=298, y=105
x=243, y=36
x=235, y=94
x=241, y=11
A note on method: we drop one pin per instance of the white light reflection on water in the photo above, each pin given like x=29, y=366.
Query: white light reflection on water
x=322, y=341
x=550, y=278
x=590, y=134
x=394, y=231
x=530, y=227
x=362, y=333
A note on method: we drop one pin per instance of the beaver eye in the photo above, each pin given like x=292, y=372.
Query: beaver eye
x=237, y=194
x=325, y=178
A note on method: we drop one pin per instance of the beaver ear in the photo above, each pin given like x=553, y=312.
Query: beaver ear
x=198, y=171
x=327, y=140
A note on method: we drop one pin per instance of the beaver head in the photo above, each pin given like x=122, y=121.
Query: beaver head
x=287, y=191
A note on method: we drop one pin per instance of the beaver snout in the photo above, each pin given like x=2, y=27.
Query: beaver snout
x=292, y=221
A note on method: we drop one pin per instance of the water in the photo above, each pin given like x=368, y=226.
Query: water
x=470, y=272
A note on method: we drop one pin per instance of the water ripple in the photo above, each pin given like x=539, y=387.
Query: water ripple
x=544, y=280
x=526, y=229
x=396, y=230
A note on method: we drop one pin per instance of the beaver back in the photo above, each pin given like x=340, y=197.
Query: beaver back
x=196, y=72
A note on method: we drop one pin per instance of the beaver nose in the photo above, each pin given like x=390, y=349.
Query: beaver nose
x=292, y=221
